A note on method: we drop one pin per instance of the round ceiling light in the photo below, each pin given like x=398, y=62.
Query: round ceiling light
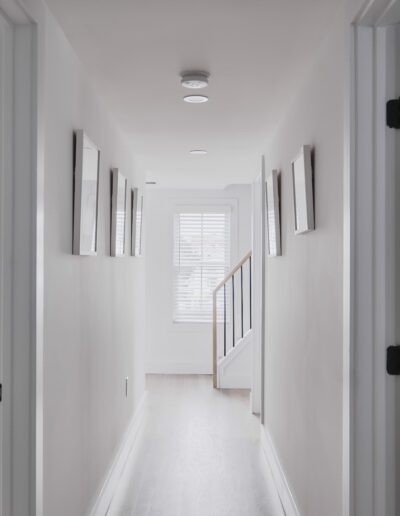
x=198, y=151
x=195, y=80
x=195, y=99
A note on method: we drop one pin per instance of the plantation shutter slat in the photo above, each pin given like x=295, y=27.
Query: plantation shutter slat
x=201, y=260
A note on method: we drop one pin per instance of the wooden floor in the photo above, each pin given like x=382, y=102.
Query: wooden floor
x=198, y=454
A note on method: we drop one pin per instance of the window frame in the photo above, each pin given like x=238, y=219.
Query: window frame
x=182, y=205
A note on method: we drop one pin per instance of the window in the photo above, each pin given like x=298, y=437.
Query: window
x=201, y=260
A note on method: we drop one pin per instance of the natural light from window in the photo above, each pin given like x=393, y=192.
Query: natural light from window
x=201, y=260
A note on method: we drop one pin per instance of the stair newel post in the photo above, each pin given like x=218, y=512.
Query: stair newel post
x=214, y=337
x=224, y=319
x=241, y=298
x=250, y=296
x=233, y=311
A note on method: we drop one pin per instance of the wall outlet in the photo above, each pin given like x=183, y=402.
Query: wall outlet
x=126, y=386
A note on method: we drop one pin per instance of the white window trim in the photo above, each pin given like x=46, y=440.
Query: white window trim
x=198, y=202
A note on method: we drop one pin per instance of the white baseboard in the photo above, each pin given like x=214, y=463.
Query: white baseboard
x=282, y=485
x=179, y=368
x=105, y=494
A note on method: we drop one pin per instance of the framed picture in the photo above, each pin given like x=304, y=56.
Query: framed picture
x=86, y=192
x=273, y=215
x=136, y=222
x=118, y=212
x=303, y=195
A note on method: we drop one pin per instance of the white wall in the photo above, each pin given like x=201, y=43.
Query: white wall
x=94, y=306
x=304, y=341
x=172, y=347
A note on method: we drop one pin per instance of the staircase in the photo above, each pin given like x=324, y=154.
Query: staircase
x=232, y=328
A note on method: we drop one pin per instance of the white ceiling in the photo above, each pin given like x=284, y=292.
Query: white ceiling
x=255, y=51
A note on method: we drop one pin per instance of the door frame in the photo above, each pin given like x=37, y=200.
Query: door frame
x=258, y=281
x=22, y=264
x=369, y=393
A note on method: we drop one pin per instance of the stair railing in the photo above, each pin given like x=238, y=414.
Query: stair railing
x=238, y=269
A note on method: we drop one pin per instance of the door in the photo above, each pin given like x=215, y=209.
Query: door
x=258, y=287
x=388, y=56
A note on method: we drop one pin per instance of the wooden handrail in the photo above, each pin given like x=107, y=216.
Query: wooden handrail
x=214, y=330
x=232, y=272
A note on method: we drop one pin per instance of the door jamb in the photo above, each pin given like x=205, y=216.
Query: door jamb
x=258, y=366
x=25, y=345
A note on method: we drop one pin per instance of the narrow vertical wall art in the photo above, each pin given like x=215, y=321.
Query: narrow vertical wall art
x=118, y=213
x=86, y=190
x=136, y=222
x=273, y=215
x=303, y=195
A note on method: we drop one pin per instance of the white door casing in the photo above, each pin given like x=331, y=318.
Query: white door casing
x=369, y=304
x=258, y=292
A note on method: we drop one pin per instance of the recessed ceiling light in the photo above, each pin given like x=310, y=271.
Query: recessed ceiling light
x=198, y=151
x=195, y=80
x=195, y=99
x=151, y=183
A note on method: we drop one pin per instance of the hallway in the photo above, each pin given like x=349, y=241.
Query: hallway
x=199, y=232
x=198, y=454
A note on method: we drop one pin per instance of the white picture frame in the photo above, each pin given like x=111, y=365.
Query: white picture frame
x=273, y=224
x=86, y=195
x=136, y=222
x=303, y=195
x=118, y=213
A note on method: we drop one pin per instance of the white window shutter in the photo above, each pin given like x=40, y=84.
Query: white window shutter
x=201, y=260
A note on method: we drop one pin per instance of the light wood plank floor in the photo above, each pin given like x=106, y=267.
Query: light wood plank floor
x=198, y=454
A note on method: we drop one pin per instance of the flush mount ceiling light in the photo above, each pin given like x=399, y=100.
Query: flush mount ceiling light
x=195, y=80
x=198, y=151
x=195, y=99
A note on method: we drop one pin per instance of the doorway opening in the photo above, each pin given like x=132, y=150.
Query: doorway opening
x=371, y=281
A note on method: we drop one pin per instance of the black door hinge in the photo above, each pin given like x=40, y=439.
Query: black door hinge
x=1, y=392
x=393, y=113
x=393, y=360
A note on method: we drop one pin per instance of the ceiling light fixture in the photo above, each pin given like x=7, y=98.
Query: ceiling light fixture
x=195, y=99
x=195, y=80
x=198, y=151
